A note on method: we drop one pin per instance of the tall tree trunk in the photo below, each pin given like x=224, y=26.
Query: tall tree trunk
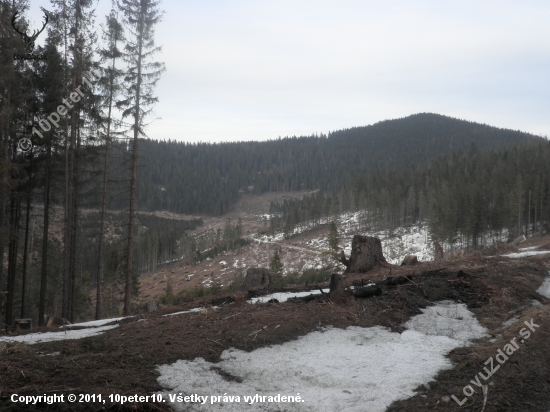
x=129, y=261
x=15, y=208
x=26, y=247
x=74, y=210
x=104, y=196
x=44, y=269
x=5, y=121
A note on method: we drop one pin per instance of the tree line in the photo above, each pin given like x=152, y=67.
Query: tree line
x=206, y=178
x=60, y=115
x=468, y=197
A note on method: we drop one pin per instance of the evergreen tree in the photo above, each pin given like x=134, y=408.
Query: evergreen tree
x=110, y=83
x=333, y=236
x=275, y=265
x=140, y=18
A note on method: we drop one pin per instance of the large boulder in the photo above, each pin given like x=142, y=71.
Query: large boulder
x=257, y=278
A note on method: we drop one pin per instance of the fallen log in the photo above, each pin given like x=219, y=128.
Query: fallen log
x=367, y=292
x=399, y=280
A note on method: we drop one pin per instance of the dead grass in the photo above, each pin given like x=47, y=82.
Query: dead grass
x=124, y=360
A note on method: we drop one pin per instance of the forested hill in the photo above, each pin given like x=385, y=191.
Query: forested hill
x=208, y=178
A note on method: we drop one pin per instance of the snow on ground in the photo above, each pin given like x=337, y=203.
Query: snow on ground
x=93, y=323
x=353, y=370
x=450, y=319
x=528, y=248
x=33, y=338
x=284, y=296
x=526, y=254
x=404, y=241
x=408, y=241
x=185, y=311
x=544, y=289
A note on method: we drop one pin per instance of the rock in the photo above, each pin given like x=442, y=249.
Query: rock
x=51, y=321
x=409, y=260
x=257, y=278
x=151, y=307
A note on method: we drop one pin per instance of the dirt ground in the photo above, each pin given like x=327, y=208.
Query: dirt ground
x=123, y=360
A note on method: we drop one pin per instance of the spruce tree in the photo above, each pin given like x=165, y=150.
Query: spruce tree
x=142, y=74
x=276, y=266
x=333, y=236
x=110, y=86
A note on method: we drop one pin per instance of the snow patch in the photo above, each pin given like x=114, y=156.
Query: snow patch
x=185, y=311
x=93, y=323
x=450, y=319
x=544, y=289
x=369, y=367
x=526, y=254
x=33, y=338
x=284, y=296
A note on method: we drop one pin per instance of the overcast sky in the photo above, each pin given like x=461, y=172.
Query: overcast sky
x=257, y=70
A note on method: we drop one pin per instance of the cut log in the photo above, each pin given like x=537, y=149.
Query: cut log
x=409, y=260
x=399, y=280
x=366, y=253
x=519, y=240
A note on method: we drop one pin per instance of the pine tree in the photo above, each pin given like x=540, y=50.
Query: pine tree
x=110, y=83
x=140, y=18
x=276, y=266
x=333, y=236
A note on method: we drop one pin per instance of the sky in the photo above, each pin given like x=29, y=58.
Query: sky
x=240, y=70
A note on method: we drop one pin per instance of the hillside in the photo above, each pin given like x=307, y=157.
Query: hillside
x=209, y=178
x=429, y=337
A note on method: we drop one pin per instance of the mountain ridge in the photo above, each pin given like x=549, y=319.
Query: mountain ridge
x=204, y=178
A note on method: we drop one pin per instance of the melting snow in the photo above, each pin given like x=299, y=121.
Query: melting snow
x=93, y=323
x=33, y=338
x=185, y=311
x=526, y=254
x=284, y=296
x=368, y=368
x=544, y=289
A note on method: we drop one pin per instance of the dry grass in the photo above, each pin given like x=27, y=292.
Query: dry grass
x=124, y=360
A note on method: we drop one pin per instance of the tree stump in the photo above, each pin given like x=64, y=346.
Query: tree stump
x=337, y=293
x=257, y=278
x=366, y=253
